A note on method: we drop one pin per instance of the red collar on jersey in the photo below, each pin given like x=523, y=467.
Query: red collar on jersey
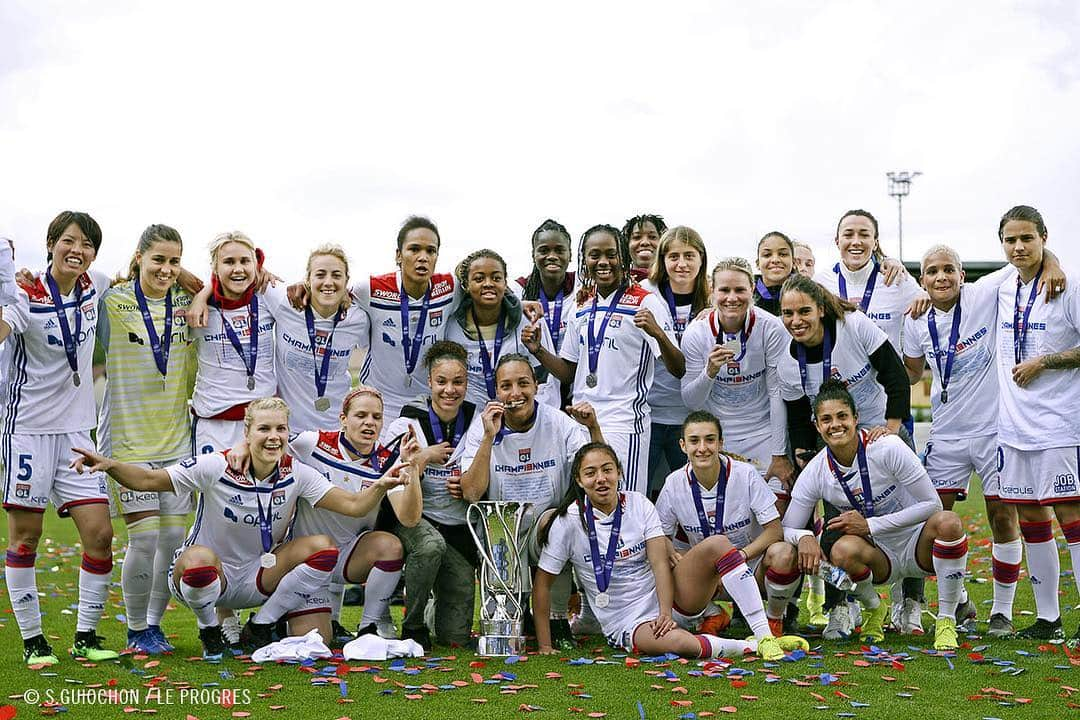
x=37, y=292
x=385, y=287
x=244, y=478
x=225, y=303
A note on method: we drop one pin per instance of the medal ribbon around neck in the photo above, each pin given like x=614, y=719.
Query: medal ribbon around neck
x=602, y=568
x=250, y=358
x=1020, y=324
x=717, y=526
x=826, y=359
x=867, y=293
x=597, y=341
x=553, y=318
x=159, y=345
x=950, y=352
x=489, y=361
x=322, y=369
x=412, y=349
x=867, y=503
x=71, y=348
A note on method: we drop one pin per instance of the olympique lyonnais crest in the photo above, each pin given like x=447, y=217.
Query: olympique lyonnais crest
x=524, y=455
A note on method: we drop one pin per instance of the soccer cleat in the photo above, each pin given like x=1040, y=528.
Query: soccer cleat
x=88, y=645
x=715, y=624
x=776, y=626
x=790, y=643
x=945, y=634
x=855, y=614
x=838, y=626
x=1000, y=626
x=768, y=647
x=386, y=629
x=341, y=635
x=230, y=631
x=561, y=636
x=368, y=629
x=873, y=626
x=815, y=606
x=912, y=617
x=966, y=615
x=213, y=642
x=36, y=651
x=160, y=636
x=1043, y=629
x=255, y=635
x=419, y=635
x=585, y=624
x=144, y=641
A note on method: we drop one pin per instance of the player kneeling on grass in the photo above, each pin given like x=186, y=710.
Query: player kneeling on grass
x=715, y=498
x=236, y=555
x=890, y=516
x=620, y=554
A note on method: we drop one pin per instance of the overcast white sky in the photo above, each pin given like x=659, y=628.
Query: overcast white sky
x=313, y=122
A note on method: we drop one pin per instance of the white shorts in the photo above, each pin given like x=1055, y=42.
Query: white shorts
x=210, y=436
x=37, y=472
x=622, y=637
x=243, y=589
x=949, y=463
x=1041, y=477
x=344, y=555
x=124, y=502
x=758, y=451
x=900, y=551
x=632, y=449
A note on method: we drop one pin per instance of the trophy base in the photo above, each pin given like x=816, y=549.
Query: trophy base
x=500, y=645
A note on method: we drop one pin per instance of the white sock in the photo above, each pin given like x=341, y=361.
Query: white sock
x=303, y=587
x=171, y=534
x=1072, y=537
x=780, y=587
x=94, y=576
x=713, y=646
x=864, y=590
x=22, y=591
x=379, y=588
x=200, y=587
x=1043, y=567
x=337, y=599
x=1006, y=561
x=738, y=580
x=950, y=559
x=137, y=571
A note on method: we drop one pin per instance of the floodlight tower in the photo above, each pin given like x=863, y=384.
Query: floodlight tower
x=899, y=187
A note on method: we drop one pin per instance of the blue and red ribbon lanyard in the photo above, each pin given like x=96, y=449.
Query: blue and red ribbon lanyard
x=826, y=358
x=412, y=349
x=489, y=361
x=159, y=345
x=437, y=427
x=867, y=503
x=251, y=357
x=950, y=352
x=1020, y=333
x=554, y=317
x=743, y=335
x=679, y=324
x=266, y=520
x=596, y=341
x=71, y=347
x=864, y=304
x=762, y=291
x=322, y=370
x=504, y=430
x=602, y=568
x=381, y=458
x=717, y=526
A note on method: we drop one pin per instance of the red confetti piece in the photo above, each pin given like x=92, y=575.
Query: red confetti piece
x=861, y=663
x=738, y=683
x=632, y=662
x=241, y=714
x=749, y=698
x=413, y=697
x=597, y=715
x=888, y=678
x=479, y=701
x=682, y=703
x=680, y=689
x=818, y=697
x=728, y=709
x=7, y=712
x=1022, y=701
x=477, y=664
x=552, y=676
x=277, y=707
x=476, y=678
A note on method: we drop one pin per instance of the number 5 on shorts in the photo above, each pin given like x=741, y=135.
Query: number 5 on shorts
x=26, y=470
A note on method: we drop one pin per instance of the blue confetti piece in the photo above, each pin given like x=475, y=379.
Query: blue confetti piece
x=695, y=673
x=412, y=671
x=581, y=661
x=827, y=679
x=949, y=663
x=492, y=682
x=584, y=696
x=512, y=660
x=640, y=710
x=670, y=675
x=508, y=676
x=387, y=691
x=688, y=716
x=448, y=687
x=1004, y=663
x=772, y=679
x=211, y=684
x=796, y=655
x=1025, y=653
x=397, y=665
x=859, y=704
x=121, y=618
x=980, y=648
x=344, y=687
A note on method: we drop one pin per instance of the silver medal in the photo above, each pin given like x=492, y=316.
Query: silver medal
x=602, y=600
x=268, y=560
x=76, y=380
x=322, y=404
x=408, y=381
x=251, y=382
x=163, y=386
x=944, y=396
x=590, y=380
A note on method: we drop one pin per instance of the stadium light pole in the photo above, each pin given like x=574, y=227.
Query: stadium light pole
x=899, y=187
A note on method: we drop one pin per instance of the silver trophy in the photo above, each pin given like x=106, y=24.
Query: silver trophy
x=496, y=529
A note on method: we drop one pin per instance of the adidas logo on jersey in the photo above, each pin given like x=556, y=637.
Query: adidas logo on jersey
x=389, y=322
x=236, y=499
x=50, y=325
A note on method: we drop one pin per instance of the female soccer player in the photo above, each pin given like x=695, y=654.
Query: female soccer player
x=775, y=262
x=50, y=408
x=804, y=259
x=891, y=522
x=716, y=495
x=679, y=279
x=643, y=233
x=313, y=345
x=488, y=323
x=237, y=554
x=150, y=366
x=440, y=555
x=732, y=360
x=616, y=327
x=629, y=581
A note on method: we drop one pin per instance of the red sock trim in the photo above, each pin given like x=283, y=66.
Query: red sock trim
x=730, y=561
x=1037, y=532
x=950, y=551
x=16, y=559
x=97, y=566
x=1006, y=573
x=390, y=565
x=706, y=648
x=1072, y=532
x=865, y=574
x=199, y=577
x=779, y=578
x=324, y=560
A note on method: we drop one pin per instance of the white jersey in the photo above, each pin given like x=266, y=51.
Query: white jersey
x=438, y=504
x=971, y=409
x=531, y=466
x=632, y=591
x=296, y=365
x=887, y=303
x=903, y=494
x=384, y=367
x=748, y=505
x=1043, y=414
x=324, y=452
x=227, y=516
x=665, y=397
x=624, y=371
x=857, y=337
x=477, y=392
x=744, y=394
x=41, y=395
x=222, y=381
